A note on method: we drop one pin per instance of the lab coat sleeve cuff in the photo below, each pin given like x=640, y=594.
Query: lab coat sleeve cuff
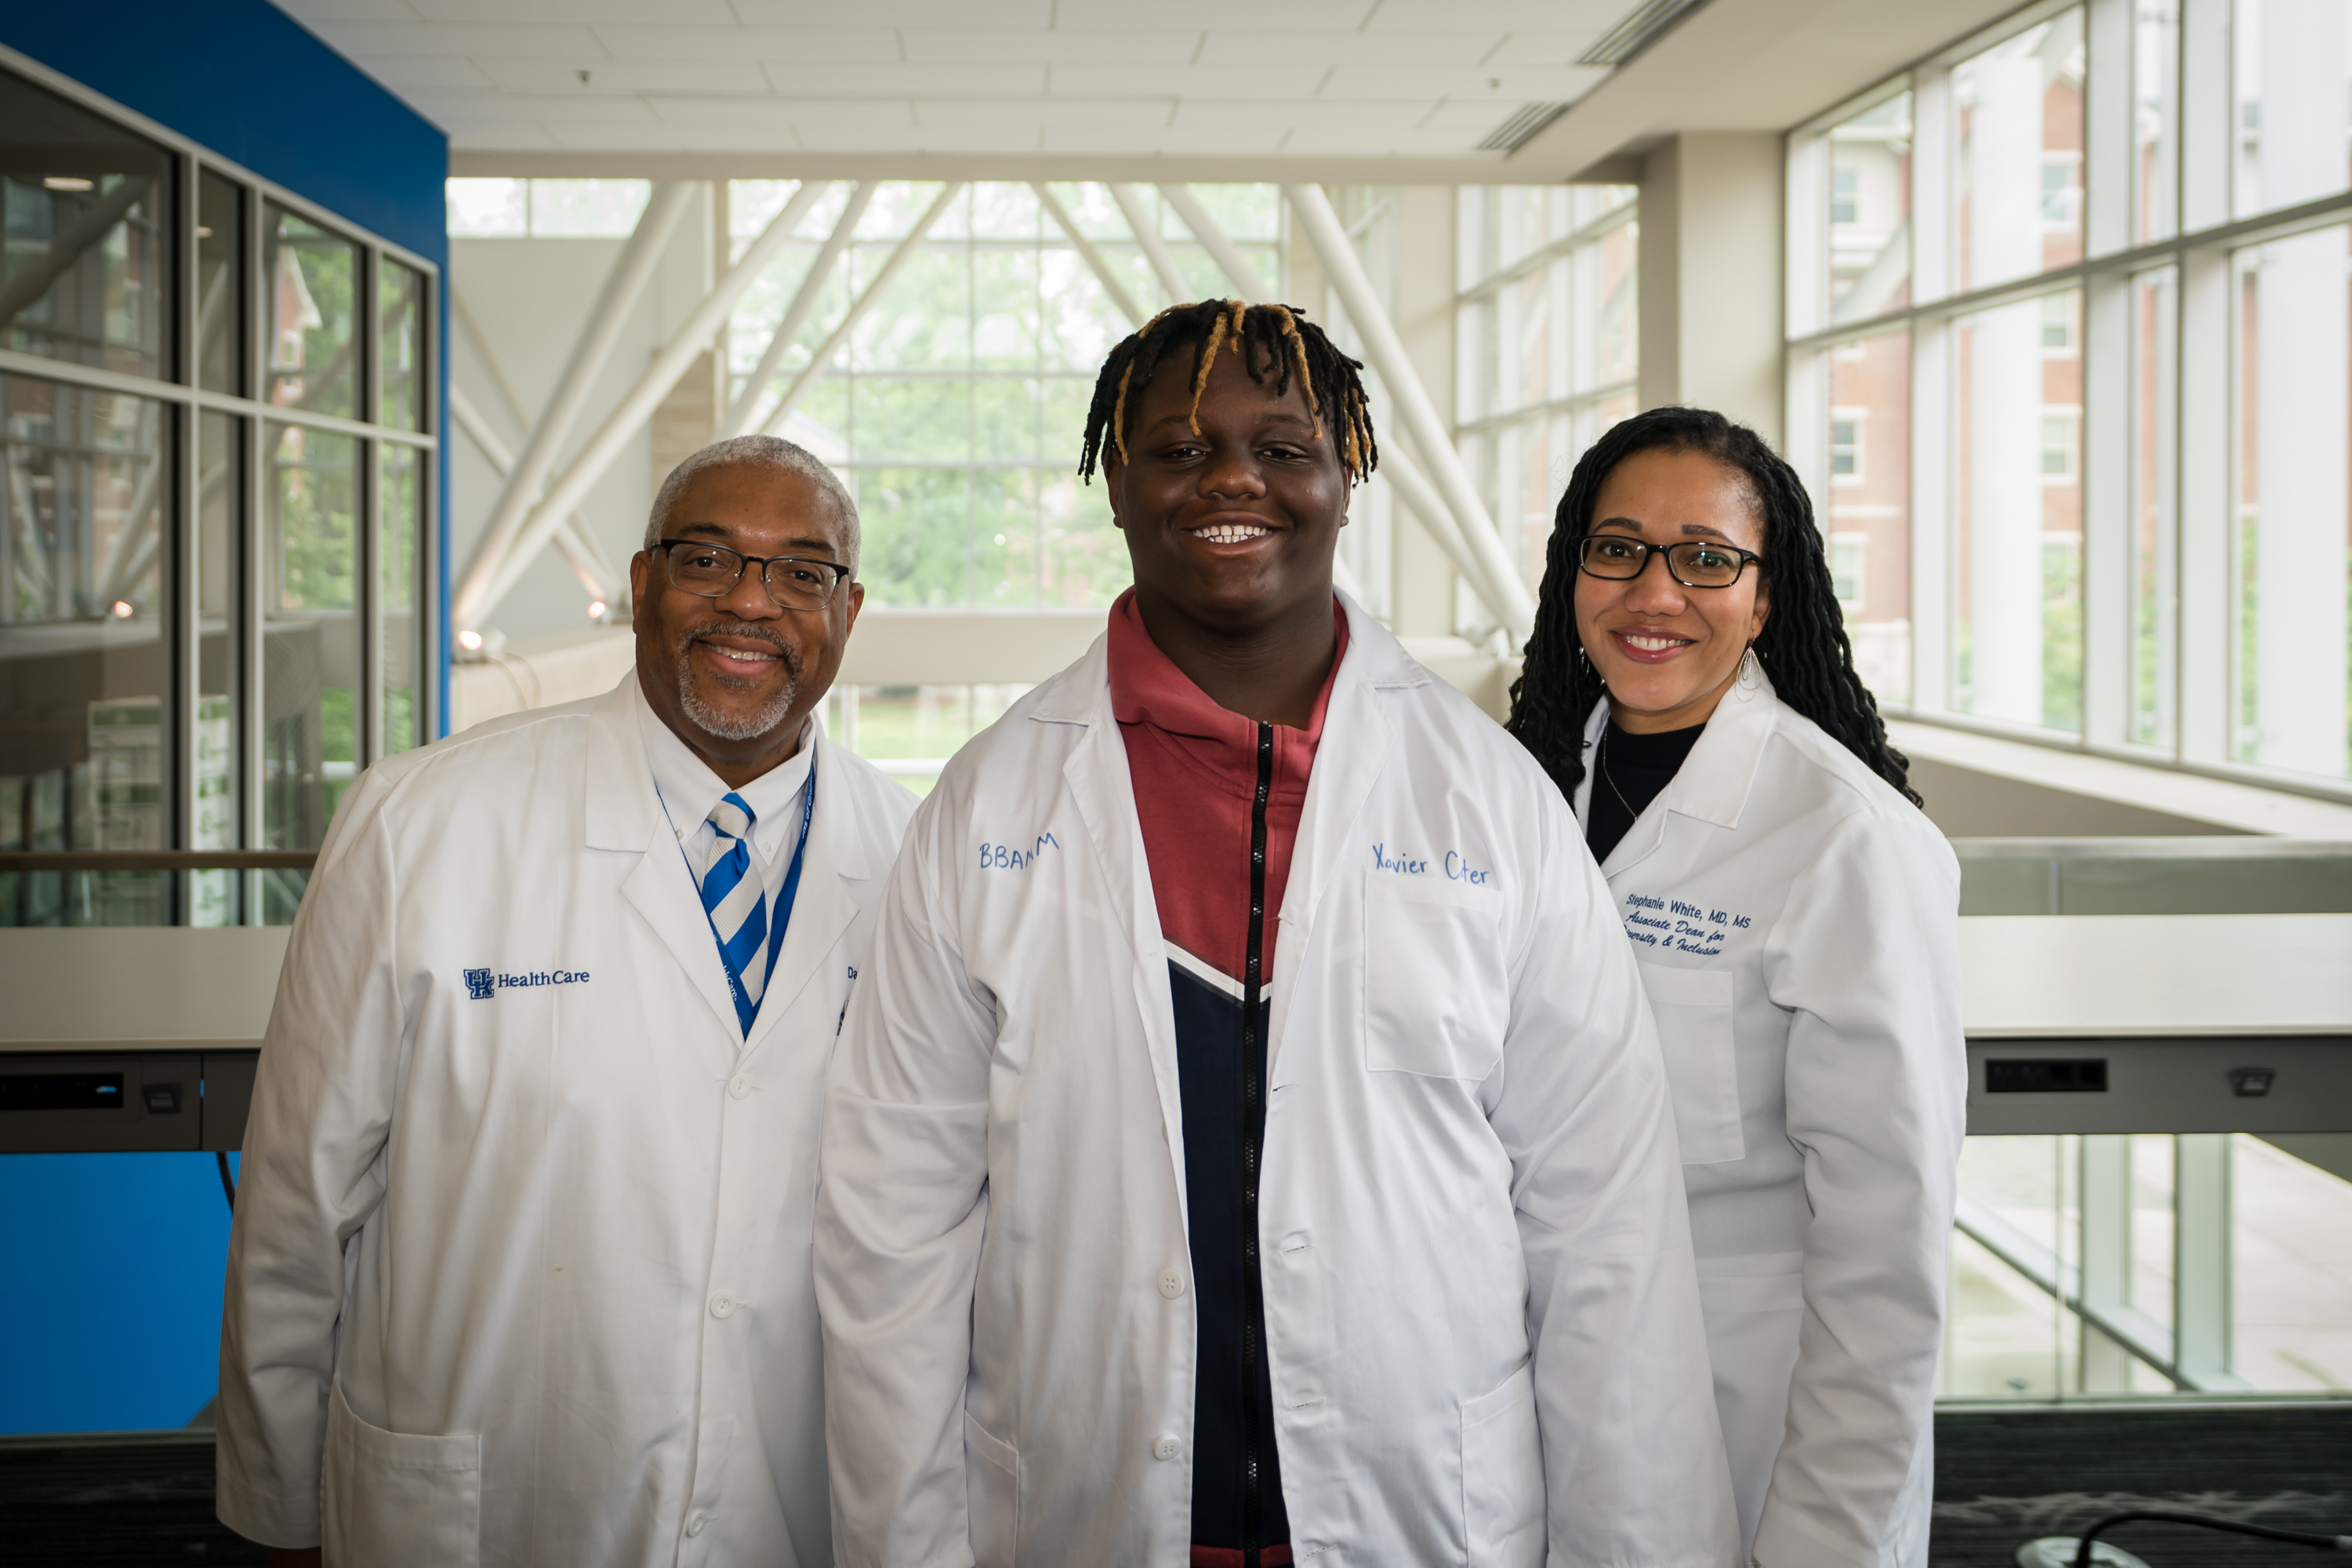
x=1787, y=1539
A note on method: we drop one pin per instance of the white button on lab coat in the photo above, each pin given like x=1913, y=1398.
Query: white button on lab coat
x=522, y=1241
x=1797, y=925
x=1483, y=1323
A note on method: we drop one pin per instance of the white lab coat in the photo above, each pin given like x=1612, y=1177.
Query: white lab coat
x=530, y=1274
x=1483, y=1319
x=1797, y=925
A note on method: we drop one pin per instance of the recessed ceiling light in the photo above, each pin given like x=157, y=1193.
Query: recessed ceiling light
x=69, y=183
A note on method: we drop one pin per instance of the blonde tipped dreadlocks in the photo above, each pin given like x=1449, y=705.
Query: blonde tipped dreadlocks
x=1271, y=340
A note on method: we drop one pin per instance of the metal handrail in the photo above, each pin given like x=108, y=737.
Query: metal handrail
x=158, y=860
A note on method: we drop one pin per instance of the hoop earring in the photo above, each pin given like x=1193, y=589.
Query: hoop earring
x=1750, y=677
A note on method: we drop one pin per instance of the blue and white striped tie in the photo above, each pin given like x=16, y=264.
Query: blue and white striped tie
x=737, y=902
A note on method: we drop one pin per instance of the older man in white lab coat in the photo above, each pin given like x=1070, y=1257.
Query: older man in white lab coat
x=521, y=1271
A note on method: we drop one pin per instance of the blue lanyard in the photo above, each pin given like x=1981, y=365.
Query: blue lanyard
x=782, y=913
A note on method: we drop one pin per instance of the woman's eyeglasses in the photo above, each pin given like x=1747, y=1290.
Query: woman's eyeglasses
x=793, y=582
x=1695, y=562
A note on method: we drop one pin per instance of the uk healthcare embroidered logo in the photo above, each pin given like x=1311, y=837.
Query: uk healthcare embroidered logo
x=481, y=985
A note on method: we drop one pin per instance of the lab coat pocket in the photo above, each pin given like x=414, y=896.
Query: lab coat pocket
x=1436, y=999
x=991, y=1480
x=401, y=1500
x=1694, y=1012
x=1502, y=1476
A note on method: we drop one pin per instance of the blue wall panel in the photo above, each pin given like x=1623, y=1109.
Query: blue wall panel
x=109, y=1290
x=244, y=80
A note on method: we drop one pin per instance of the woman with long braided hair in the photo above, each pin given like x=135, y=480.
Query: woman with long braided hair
x=1223, y=1164
x=1794, y=915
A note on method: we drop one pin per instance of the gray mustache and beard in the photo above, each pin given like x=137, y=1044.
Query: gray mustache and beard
x=751, y=726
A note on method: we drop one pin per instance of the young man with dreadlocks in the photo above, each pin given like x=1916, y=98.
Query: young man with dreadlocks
x=1796, y=919
x=1146, y=1237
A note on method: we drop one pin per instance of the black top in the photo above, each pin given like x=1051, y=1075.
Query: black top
x=1628, y=770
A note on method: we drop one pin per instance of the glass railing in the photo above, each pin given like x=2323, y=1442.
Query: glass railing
x=2235, y=876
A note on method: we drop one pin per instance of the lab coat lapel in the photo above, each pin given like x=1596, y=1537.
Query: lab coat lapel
x=1357, y=742
x=624, y=814
x=1713, y=783
x=1097, y=776
x=831, y=878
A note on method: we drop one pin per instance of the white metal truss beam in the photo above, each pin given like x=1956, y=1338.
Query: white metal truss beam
x=636, y=405
x=1219, y=244
x=782, y=413
x=468, y=323
x=1090, y=252
x=1503, y=592
x=739, y=420
x=577, y=545
x=1155, y=248
x=632, y=271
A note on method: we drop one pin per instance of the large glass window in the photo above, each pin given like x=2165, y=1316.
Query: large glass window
x=83, y=646
x=2018, y=511
x=2017, y=184
x=189, y=453
x=1865, y=514
x=2128, y=523
x=1546, y=340
x=956, y=405
x=312, y=275
x=2293, y=111
x=2292, y=555
x=84, y=271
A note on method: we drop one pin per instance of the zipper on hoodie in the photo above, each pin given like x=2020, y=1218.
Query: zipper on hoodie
x=1253, y=1147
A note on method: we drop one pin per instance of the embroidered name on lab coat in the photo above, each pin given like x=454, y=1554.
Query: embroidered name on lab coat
x=481, y=985
x=1677, y=925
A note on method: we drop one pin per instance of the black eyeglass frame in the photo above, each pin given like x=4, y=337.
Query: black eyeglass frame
x=840, y=573
x=1584, y=550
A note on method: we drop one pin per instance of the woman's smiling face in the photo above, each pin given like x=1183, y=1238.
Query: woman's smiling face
x=1668, y=653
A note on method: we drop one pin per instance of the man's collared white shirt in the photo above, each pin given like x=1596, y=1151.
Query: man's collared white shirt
x=689, y=793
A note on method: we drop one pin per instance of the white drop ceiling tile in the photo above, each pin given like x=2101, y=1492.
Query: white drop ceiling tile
x=973, y=140
x=364, y=41
x=634, y=43
x=607, y=78
x=1063, y=46
x=1183, y=81
x=1452, y=47
x=1135, y=140
x=520, y=137
x=685, y=13
x=1300, y=14
x=1315, y=141
x=404, y=71
x=1543, y=47
x=1042, y=112
x=1369, y=118
x=554, y=108
x=311, y=12
x=1522, y=84
x=906, y=81
x=642, y=139
x=879, y=113
x=1472, y=118
x=1409, y=15
x=1037, y=14
x=826, y=136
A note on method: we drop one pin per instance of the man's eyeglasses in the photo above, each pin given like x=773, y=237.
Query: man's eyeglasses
x=793, y=582
x=1695, y=562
